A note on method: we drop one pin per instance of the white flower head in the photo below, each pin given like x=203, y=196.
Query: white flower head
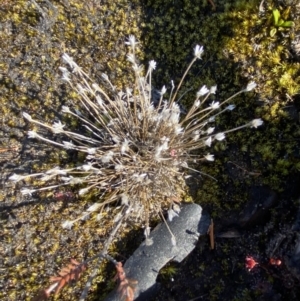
x=196, y=135
x=138, y=69
x=105, y=76
x=131, y=41
x=63, y=69
x=66, y=77
x=68, y=144
x=66, y=179
x=209, y=157
x=165, y=141
x=152, y=65
x=256, y=123
x=86, y=167
x=107, y=157
x=202, y=91
x=114, y=138
x=16, y=178
x=250, y=86
x=174, y=118
x=176, y=208
x=69, y=60
x=124, y=199
x=178, y=129
x=27, y=116
x=57, y=127
x=83, y=191
x=213, y=90
x=198, y=50
x=56, y=171
x=139, y=177
x=81, y=89
x=67, y=224
x=214, y=105
x=171, y=214
x=208, y=141
x=65, y=109
x=210, y=130
x=163, y=90
x=124, y=146
x=119, y=167
x=32, y=134
x=230, y=107
x=197, y=103
x=65, y=74
x=220, y=136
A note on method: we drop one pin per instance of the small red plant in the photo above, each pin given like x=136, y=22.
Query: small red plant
x=274, y=261
x=126, y=286
x=67, y=274
x=250, y=263
x=73, y=271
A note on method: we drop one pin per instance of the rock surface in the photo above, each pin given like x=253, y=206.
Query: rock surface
x=145, y=263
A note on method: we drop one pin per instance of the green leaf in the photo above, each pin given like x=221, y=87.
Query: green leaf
x=280, y=22
x=288, y=24
x=276, y=16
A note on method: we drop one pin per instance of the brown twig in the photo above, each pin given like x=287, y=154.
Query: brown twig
x=210, y=232
x=251, y=173
x=212, y=4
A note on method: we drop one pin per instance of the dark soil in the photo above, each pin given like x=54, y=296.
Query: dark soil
x=269, y=235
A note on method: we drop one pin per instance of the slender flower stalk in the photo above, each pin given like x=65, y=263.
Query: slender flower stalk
x=137, y=150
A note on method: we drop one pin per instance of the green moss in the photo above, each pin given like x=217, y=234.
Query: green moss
x=168, y=271
x=234, y=54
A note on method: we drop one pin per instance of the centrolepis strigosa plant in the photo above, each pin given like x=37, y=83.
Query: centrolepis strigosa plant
x=138, y=150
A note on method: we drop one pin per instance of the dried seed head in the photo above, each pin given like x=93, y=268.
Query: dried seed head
x=136, y=151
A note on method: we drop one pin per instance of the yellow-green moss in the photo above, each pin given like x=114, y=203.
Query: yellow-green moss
x=33, y=37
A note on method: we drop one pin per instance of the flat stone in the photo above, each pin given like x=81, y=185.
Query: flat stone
x=146, y=262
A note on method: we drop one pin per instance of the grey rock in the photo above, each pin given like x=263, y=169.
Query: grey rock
x=145, y=263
